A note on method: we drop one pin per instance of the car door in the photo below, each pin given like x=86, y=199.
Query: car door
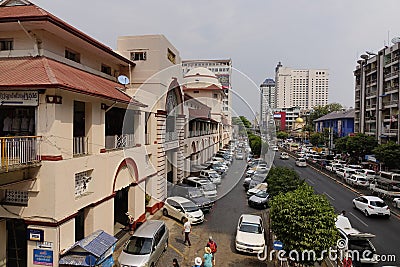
x=175, y=209
x=361, y=203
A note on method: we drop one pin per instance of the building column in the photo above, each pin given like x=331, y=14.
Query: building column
x=161, y=182
x=180, y=127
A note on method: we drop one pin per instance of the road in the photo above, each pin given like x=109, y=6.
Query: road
x=387, y=231
x=220, y=222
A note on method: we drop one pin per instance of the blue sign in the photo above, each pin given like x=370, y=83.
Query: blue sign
x=278, y=245
x=43, y=257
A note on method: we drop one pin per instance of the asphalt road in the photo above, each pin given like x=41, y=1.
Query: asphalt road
x=387, y=231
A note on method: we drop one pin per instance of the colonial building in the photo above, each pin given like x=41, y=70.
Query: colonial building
x=339, y=123
x=74, y=158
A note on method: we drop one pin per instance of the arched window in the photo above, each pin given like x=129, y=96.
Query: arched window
x=172, y=111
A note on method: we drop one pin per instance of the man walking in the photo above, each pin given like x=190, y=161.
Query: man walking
x=186, y=230
x=213, y=247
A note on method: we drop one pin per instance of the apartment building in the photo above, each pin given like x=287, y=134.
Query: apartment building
x=377, y=94
x=267, y=100
x=286, y=117
x=304, y=88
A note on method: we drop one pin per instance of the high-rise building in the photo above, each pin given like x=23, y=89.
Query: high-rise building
x=377, y=94
x=268, y=99
x=304, y=88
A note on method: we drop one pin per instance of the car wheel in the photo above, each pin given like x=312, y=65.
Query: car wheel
x=366, y=213
x=165, y=212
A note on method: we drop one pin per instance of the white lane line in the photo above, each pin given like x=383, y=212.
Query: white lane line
x=328, y=195
x=310, y=181
x=361, y=221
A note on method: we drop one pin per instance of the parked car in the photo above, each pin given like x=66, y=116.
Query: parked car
x=357, y=180
x=146, y=245
x=275, y=148
x=259, y=200
x=192, y=193
x=211, y=175
x=345, y=172
x=181, y=208
x=369, y=174
x=371, y=205
x=284, y=155
x=396, y=202
x=250, y=234
x=239, y=156
x=256, y=189
x=333, y=166
x=206, y=187
x=301, y=162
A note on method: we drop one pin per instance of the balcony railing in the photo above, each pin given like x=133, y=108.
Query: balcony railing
x=19, y=150
x=200, y=133
x=389, y=131
x=391, y=88
x=120, y=141
x=390, y=103
x=391, y=74
x=171, y=136
x=80, y=144
x=370, y=106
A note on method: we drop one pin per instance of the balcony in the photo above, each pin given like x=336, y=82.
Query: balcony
x=80, y=144
x=389, y=132
x=370, y=94
x=120, y=141
x=391, y=74
x=371, y=82
x=390, y=88
x=371, y=106
x=392, y=103
x=19, y=151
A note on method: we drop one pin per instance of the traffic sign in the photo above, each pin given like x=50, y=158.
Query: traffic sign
x=278, y=245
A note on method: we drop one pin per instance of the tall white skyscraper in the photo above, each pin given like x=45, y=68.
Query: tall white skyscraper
x=268, y=99
x=304, y=88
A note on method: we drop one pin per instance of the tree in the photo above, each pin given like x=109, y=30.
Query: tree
x=282, y=135
x=255, y=144
x=317, y=139
x=320, y=111
x=388, y=154
x=245, y=121
x=341, y=144
x=360, y=145
x=282, y=180
x=304, y=221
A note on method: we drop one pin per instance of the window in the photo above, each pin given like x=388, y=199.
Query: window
x=195, y=92
x=71, y=55
x=105, y=69
x=171, y=56
x=139, y=56
x=215, y=95
x=6, y=44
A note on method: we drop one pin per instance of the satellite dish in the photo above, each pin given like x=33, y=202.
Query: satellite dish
x=396, y=40
x=122, y=79
x=364, y=56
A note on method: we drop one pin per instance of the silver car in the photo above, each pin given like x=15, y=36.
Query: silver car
x=146, y=245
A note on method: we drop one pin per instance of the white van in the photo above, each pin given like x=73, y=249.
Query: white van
x=390, y=175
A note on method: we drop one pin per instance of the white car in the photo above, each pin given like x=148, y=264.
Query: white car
x=333, y=166
x=396, y=202
x=301, y=162
x=275, y=148
x=357, y=180
x=369, y=174
x=250, y=234
x=181, y=208
x=257, y=188
x=284, y=155
x=371, y=205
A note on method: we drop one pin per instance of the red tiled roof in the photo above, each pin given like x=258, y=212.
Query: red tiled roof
x=42, y=72
x=35, y=13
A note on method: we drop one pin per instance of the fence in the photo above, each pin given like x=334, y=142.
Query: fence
x=19, y=150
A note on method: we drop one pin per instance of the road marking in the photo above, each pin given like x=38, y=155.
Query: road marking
x=176, y=250
x=328, y=195
x=310, y=181
x=361, y=221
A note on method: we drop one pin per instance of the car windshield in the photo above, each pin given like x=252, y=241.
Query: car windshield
x=213, y=175
x=189, y=206
x=138, y=246
x=262, y=194
x=250, y=228
x=379, y=204
x=195, y=193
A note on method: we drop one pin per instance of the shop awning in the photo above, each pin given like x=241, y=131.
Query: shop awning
x=90, y=251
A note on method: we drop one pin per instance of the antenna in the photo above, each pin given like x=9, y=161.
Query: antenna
x=122, y=79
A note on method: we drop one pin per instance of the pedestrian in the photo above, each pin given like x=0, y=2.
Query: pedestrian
x=186, y=230
x=343, y=213
x=197, y=262
x=130, y=222
x=213, y=246
x=208, y=257
x=175, y=263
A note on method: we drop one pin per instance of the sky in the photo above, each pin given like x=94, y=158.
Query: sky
x=255, y=34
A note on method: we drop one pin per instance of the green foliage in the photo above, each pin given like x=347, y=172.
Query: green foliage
x=358, y=145
x=282, y=180
x=389, y=154
x=320, y=111
x=255, y=144
x=245, y=121
x=317, y=139
x=282, y=135
x=303, y=220
x=238, y=121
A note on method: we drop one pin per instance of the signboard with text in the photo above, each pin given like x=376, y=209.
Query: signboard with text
x=43, y=257
x=19, y=98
